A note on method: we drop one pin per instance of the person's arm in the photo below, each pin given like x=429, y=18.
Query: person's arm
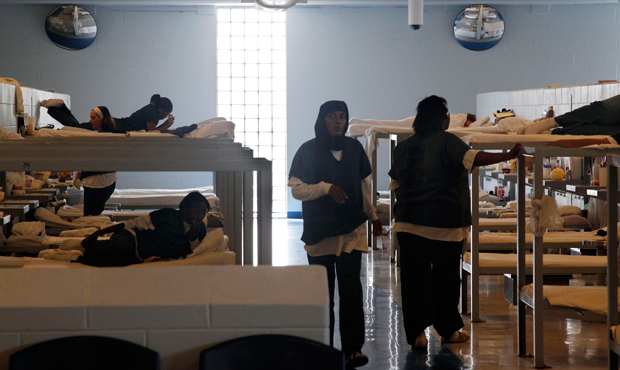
x=140, y=223
x=486, y=158
x=302, y=191
x=369, y=209
x=578, y=143
x=197, y=232
x=150, y=126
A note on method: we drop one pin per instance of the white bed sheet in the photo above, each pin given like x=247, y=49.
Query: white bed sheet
x=211, y=128
x=358, y=126
x=590, y=298
x=219, y=258
x=490, y=138
x=36, y=241
x=490, y=222
x=550, y=237
x=160, y=197
x=549, y=260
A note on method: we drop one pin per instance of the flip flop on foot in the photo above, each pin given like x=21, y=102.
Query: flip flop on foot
x=457, y=337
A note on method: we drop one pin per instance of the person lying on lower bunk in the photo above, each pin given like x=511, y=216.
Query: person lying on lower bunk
x=598, y=118
x=162, y=234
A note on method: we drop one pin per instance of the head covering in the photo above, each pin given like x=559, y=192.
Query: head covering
x=320, y=128
x=99, y=112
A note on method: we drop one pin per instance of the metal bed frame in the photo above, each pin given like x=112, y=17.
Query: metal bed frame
x=233, y=166
x=538, y=302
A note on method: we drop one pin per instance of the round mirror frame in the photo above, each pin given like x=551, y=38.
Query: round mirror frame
x=71, y=27
x=478, y=33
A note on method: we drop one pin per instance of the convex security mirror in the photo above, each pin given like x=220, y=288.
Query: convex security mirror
x=71, y=27
x=479, y=27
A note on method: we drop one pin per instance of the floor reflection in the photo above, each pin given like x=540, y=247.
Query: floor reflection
x=569, y=344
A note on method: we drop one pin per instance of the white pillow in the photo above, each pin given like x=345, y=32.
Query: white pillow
x=29, y=228
x=482, y=121
x=569, y=210
x=213, y=242
x=575, y=222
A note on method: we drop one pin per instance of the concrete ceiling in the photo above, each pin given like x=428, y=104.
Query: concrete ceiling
x=151, y=3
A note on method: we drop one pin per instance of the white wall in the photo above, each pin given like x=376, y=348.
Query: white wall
x=136, y=54
x=368, y=57
x=371, y=59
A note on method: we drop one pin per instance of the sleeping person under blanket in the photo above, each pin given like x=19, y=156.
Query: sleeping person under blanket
x=165, y=234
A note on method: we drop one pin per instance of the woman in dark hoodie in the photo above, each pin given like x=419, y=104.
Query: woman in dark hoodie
x=330, y=175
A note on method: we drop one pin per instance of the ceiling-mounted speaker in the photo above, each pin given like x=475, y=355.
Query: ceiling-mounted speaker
x=416, y=14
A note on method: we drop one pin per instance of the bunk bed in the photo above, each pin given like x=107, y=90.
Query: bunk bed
x=500, y=142
x=534, y=295
x=233, y=166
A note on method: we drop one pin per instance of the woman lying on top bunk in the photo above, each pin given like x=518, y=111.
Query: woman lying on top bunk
x=598, y=118
x=145, y=118
x=100, y=118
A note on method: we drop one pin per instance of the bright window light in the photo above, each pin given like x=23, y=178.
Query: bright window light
x=251, y=86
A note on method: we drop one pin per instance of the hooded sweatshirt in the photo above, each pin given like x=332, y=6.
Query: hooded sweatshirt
x=314, y=162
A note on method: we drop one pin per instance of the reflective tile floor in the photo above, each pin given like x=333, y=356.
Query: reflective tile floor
x=569, y=344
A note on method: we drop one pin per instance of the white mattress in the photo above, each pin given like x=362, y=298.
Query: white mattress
x=44, y=242
x=549, y=260
x=358, y=127
x=590, y=298
x=489, y=138
x=212, y=128
x=495, y=222
x=160, y=197
x=220, y=258
x=550, y=237
x=383, y=205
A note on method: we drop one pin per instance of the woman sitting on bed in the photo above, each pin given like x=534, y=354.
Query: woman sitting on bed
x=165, y=234
x=598, y=118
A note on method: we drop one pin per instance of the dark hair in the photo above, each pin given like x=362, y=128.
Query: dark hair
x=163, y=103
x=193, y=198
x=107, y=122
x=432, y=112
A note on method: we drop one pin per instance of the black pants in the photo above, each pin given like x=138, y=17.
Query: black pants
x=119, y=250
x=597, y=118
x=63, y=115
x=430, y=285
x=352, y=325
x=95, y=199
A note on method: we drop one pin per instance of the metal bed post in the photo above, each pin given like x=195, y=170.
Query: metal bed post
x=612, y=259
x=375, y=196
x=224, y=188
x=538, y=316
x=394, y=251
x=474, y=243
x=521, y=243
x=237, y=204
x=248, y=219
x=264, y=193
x=3, y=181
